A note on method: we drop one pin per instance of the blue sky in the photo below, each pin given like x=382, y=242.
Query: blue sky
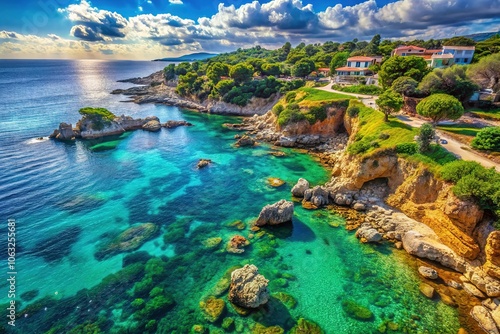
x=145, y=29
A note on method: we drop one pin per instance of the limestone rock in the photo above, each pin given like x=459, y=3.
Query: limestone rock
x=368, y=234
x=275, y=182
x=464, y=213
x=427, y=272
x=152, y=125
x=174, y=124
x=301, y=186
x=212, y=308
x=484, y=318
x=471, y=288
x=426, y=290
x=277, y=213
x=318, y=196
x=492, y=250
x=65, y=132
x=237, y=244
x=359, y=206
x=245, y=141
x=248, y=288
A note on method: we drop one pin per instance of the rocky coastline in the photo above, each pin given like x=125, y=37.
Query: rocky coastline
x=402, y=203
x=86, y=129
x=155, y=89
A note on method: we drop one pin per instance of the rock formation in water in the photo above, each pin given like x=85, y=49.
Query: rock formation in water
x=245, y=141
x=152, y=125
x=299, y=189
x=277, y=213
x=202, y=163
x=248, y=288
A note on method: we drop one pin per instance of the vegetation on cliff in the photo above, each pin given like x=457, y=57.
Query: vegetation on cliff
x=100, y=117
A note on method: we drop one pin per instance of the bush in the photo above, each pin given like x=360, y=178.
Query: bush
x=487, y=139
x=384, y=136
x=360, y=89
x=290, y=96
x=292, y=85
x=100, y=117
x=317, y=113
x=359, y=147
x=407, y=148
x=291, y=114
x=277, y=109
x=353, y=111
x=425, y=137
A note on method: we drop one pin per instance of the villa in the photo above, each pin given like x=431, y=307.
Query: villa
x=356, y=67
x=438, y=58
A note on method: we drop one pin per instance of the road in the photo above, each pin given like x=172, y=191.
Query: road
x=452, y=146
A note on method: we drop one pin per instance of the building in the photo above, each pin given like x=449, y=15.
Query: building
x=356, y=66
x=438, y=58
x=324, y=71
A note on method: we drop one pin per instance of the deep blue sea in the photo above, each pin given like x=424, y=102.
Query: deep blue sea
x=69, y=200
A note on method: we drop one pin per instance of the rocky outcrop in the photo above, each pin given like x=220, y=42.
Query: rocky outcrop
x=367, y=234
x=248, y=288
x=277, y=213
x=237, y=244
x=152, y=125
x=256, y=106
x=318, y=196
x=174, y=124
x=492, y=250
x=299, y=189
x=152, y=79
x=484, y=318
x=427, y=272
x=245, y=141
x=202, y=163
x=65, y=132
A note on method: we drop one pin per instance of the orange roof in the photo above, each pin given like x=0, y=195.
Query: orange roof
x=409, y=47
x=459, y=47
x=351, y=69
x=360, y=58
x=323, y=69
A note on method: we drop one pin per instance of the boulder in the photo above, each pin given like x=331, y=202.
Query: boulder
x=65, y=132
x=174, y=124
x=248, y=288
x=366, y=233
x=484, y=318
x=426, y=290
x=245, y=141
x=203, y=163
x=277, y=213
x=275, y=182
x=343, y=199
x=317, y=196
x=492, y=250
x=471, y=289
x=152, y=125
x=359, y=206
x=427, y=272
x=212, y=308
x=236, y=244
x=301, y=186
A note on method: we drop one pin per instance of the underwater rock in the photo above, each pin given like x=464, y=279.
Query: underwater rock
x=317, y=196
x=277, y=213
x=174, y=124
x=30, y=295
x=228, y=324
x=236, y=244
x=127, y=241
x=427, y=290
x=211, y=242
x=212, y=308
x=427, y=272
x=245, y=141
x=304, y=326
x=286, y=299
x=238, y=224
x=275, y=182
x=198, y=329
x=278, y=154
x=152, y=125
x=248, y=288
x=366, y=233
x=484, y=318
x=299, y=189
x=261, y=329
x=356, y=311
x=203, y=163
x=57, y=247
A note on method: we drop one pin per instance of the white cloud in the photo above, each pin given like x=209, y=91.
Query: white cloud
x=176, y=2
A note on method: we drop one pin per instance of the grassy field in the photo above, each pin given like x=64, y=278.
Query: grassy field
x=493, y=114
x=321, y=95
x=460, y=129
x=375, y=135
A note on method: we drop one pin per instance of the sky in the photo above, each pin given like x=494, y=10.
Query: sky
x=149, y=29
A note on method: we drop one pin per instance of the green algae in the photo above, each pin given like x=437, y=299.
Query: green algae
x=304, y=326
x=286, y=299
x=356, y=311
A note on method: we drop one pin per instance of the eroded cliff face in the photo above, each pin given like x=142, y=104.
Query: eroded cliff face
x=417, y=193
x=334, y=123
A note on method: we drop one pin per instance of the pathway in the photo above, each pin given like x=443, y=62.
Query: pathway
x=452, y=146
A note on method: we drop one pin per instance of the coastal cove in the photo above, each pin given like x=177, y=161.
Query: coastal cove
x=69, y=199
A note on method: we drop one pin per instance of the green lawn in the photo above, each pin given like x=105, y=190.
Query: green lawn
x=493, y=114
x=460, y=129
x=312, y=94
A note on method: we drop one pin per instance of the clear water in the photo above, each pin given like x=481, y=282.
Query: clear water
x=68, y=198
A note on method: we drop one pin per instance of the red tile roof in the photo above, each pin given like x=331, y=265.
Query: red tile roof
x=360, y=58
x=351, y=69
x=324, y=69
x=409, y=47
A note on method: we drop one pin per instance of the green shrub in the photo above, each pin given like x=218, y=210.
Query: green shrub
x=100, y=117
x=317, y=113
x=384, y=136
x=407, y=148
x=456, y=170
x=290, y=96
x=487, y=139
x=277, y=109
x=360, y=89
x=138, y=303
x=353, y=111
x=359, y=147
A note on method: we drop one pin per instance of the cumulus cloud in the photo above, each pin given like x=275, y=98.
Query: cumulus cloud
x=176, y=2
x=94, y=24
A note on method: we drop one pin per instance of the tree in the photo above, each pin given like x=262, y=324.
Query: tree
x=398, y=66
x=224, y=86
x=303, y=68
x=169, y=72
x=271, y=69
x=330, y=47
x=241, y=73
x=452, y=80
x=389, y=102
x=486, y=73
x=440, y=106
x=217, y=70
x=405, y=86
x=487, y=139
x=183, y=68
x=459, y=41
x=425, y=137
x=338, y=60
x=372, y=47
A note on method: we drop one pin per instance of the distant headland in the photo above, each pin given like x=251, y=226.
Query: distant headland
x=190, y=57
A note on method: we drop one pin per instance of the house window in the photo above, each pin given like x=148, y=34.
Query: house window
x=466, y=60
x=348, y=64
x=404, y=54
x=457, y=60
x=366, y=64
x=358, y=64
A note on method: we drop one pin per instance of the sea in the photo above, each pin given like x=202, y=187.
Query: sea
x=69, y=202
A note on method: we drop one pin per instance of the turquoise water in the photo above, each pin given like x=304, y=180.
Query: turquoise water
x=70, y=199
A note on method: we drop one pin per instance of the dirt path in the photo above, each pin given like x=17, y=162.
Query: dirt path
x=368, y=100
